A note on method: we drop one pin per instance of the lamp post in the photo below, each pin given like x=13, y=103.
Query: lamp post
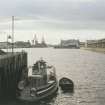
x=7, y=43
x=12, y=34
x=8, y=37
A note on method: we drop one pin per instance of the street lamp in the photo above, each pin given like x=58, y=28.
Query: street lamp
x=12, y=34
x=8, y=37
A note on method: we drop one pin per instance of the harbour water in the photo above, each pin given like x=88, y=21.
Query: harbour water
x=85, y=68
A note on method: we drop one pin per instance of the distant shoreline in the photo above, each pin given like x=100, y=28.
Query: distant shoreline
x=100, y=50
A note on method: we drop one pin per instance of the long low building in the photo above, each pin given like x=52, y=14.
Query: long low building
x=18, y=44
x=4, y=45
x=95, y=43
x=72, y=43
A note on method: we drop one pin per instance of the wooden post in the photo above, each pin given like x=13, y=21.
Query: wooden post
x=11, y=68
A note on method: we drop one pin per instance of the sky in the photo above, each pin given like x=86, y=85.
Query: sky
x=53, y=19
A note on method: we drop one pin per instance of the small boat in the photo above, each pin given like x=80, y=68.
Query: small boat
x=66, y=84
x=40, y=84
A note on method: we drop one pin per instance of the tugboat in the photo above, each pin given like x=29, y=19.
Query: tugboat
x=40, y=84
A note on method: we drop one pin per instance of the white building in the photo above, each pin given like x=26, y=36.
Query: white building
x=70, y=43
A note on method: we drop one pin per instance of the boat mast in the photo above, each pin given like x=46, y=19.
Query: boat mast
x=12, y=34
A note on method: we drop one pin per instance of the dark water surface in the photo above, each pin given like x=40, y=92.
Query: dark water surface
x=85, y=68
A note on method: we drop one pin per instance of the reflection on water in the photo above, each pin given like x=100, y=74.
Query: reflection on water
x=85, y=68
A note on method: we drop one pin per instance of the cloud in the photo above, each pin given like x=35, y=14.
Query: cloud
x=56, y=9
x=52, y=15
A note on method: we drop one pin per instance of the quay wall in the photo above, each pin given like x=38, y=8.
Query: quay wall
x=13, y=68
x=99, y=50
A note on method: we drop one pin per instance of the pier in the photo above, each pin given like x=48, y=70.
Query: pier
x=13, y=68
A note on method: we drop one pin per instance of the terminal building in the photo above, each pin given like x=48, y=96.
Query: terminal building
x=72, y=43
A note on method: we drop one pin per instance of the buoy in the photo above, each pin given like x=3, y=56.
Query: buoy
x=66, y=84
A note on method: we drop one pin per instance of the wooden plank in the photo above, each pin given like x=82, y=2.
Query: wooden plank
x=11, y=68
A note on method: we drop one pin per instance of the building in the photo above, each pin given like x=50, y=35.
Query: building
x=17, y=44
x=101, y=43
x=36, y=44
x=22, y=44
x=70, y=43
x=82, y=44
x=91, y=43
x=95, y=43
x=4, y=45
x=35, y=40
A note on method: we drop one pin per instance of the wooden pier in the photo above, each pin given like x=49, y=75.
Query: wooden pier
x=13, y=68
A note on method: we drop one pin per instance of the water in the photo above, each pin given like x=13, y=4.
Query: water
x=85, y=68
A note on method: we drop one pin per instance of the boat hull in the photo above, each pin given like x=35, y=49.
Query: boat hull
x=67, y=87
x=45, y=93
x=66, y=84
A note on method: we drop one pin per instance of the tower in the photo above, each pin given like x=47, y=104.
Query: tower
x=43, y=40
x=43, y=44
x=35, y=40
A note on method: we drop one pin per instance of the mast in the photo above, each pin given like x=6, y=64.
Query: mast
x=12, y=34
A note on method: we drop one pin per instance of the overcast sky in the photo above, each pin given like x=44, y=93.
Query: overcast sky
x=53, y=19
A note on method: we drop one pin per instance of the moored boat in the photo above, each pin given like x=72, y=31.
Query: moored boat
x=66, y=84
x=40, y=84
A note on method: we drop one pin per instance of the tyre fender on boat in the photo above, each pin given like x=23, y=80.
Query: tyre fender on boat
x=33, y=92
x=21, y=85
